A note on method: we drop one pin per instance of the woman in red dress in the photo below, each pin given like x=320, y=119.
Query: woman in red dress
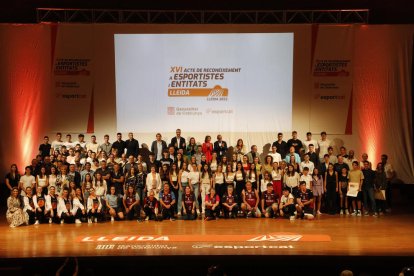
x=207, y=148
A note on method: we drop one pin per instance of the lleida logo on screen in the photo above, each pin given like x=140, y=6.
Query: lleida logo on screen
x=215, y=92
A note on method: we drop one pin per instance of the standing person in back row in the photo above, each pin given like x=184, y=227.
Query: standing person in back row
x=119, y=145
x=220, y=147
x=309, y=141
x=295, y=142
x=158, y=146
x=132, y=145
x=323, y=145
x=281, y=145
x=178, y=142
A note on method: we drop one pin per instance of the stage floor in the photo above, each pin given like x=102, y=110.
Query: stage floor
x=390, y=235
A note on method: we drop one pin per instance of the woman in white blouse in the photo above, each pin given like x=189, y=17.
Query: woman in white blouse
x=153, y=182
x=291, y=179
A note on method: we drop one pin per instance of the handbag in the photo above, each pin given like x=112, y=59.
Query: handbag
x=379, y=194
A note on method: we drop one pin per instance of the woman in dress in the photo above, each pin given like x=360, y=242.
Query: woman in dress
x=15, y=215
x=317, y=189
x=331, y=189
x=268, y=165
x=224, y=163
x=240, y=150
x=207, y=148
x=13, y=177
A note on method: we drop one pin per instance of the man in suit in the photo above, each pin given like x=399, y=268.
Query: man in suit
x=158, y=146
x=220, y=147
x=252, y=154
x=178, y=142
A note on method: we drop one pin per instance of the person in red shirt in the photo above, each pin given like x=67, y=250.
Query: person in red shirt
x=167, y=200
x=229, y=202
x=189, y=205
x=212, y=205
x=151, y=207
x=270, y=202
x=207, y=148
x=304, y=202
x=250, y=201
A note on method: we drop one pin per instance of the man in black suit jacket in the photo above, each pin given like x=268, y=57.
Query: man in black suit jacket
x=155, y=148
x=220, y=147
x=132, y=145
x=178, y=142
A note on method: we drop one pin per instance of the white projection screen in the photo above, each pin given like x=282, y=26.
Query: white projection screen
x=204, y=82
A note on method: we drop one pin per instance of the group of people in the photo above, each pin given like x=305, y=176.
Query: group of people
x=75, y=182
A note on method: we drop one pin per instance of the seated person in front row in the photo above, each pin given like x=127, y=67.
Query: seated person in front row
x=64, y=208
x=94, y=207
x=52, y=200
x=287, y=204
x=112, y=203
x=167, y=200
x=212, y=202
x=250, y=203
x=189, y=204
x=15, y=215
x=151, y=206
x=304, y=201
x=39, y=200
x=269, y=202
x=229, y=201
x=132, y=204
x=29, y=206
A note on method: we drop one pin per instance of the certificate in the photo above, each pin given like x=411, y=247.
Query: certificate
x=353, y=189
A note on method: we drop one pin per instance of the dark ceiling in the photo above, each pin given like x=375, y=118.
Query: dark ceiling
x=381, y=11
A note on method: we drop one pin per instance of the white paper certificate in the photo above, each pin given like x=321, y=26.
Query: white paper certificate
x=353, y=189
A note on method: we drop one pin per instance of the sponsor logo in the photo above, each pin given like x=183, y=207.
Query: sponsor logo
x=213, y=246
x=331, y=68
x=68, y=66
x=329, y=97
x=215, y=92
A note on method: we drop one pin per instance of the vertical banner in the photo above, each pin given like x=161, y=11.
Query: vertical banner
x=72, y=78
x=332, y=79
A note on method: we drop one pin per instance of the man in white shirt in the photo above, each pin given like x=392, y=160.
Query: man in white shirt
x=365, y=159
x=351, y=158
x=26, y=180
x=58, y=143
x=275, y=155
x=68, y=143
x=81, y=141
x=309, y=141
x=71, y=157
x=332, y=158
x=323, y=145
x=306, y=164
x=93, y=145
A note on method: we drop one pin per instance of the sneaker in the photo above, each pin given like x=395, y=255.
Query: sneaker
x=50, y=221
x=309, y=216
x=346, y=212
x=179, y=214
x=77, y=221
x=89, y=221
x=198, y=213
x=96, y=220
x=341, y=212
x=366, y=214
x=36, y=222
x=62, y=221
x=172, y=219
x=147, y=218
x=319, y=213
x=292, y=217
x=375, y=214
x=354, y=213
x=112, y=219
x=359, y=214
